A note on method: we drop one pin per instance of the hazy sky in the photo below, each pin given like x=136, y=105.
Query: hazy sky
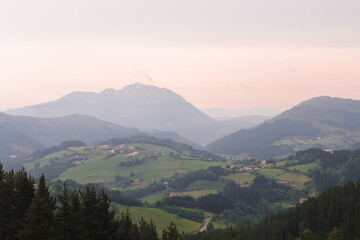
x=233, y=54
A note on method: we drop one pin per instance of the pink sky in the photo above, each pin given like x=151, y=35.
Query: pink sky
x=251, y=55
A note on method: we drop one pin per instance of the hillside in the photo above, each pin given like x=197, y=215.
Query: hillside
x=323, y=122
x=333, y=214
x=22, y=134
x=142, y=106
x=121, y=163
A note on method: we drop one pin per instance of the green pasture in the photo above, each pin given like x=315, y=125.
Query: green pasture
x=271, y=172
x=160, y=218
x=199, y=193
x=203, y=184
x=100, y=169
x=244, y=179
x=304, y=168
x=46, y=160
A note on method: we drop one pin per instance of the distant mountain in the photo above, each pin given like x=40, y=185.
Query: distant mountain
x=220, y=113
x=12, y=141
x=173, y=136
x=142, y=106
x=26, y=134
x=323, y=122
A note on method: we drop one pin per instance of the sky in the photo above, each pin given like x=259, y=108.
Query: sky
x=232, y=54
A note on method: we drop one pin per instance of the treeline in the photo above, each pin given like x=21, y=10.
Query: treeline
x=26, y=213
x=178, y=147
x=337, y=167
x=114, y=195
x=63, y=146
x=245, y=201
x=180, y=181
x=194, y=215
x=131, y=163
x=142, y=192
x=334, y=214
x=57, y=165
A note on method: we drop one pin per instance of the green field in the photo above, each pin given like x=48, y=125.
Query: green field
x=198, y=193
x=244, y=179
x=46, y=160
x=160, y=218
x=304, y=168
x=281, y=163
x=101, y=170
x=297, y=179
x=153, y=198
x=294, y=178
x=271, y=173
x=207, y=185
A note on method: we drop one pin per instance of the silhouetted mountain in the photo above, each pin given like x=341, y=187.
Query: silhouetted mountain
x=219, y=113
x=173, y=136
x=26, y=134
x=12, y=141
x=322, y=122
x=141, y=106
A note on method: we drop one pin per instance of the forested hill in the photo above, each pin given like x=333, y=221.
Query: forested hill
x=21, y=135
x=26, y=213
x=176, y=146
x=333, y=214
x=322, y=122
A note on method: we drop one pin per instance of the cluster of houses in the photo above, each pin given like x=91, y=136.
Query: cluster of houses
x=175, y=194
x=120, y=149
x=250, y=168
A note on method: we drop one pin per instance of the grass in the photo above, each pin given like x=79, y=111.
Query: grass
x=198, y=193
x=280, y=164
x=271, y=172
x=296, y=179
x=304, y=168
x=46, y=160
x=284, y=204
x=203, y=184
x=160, y=218
x=153, y=198
x=244, y=179
x=97, y=169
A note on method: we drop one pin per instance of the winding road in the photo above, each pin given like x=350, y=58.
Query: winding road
x=204, y=226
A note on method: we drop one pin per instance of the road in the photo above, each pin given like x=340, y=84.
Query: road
x=204, y=226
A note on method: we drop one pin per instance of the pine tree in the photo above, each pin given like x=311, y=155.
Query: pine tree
x=16, y=193
x=23, y=195
x=170, y=233
x=75, y=232
x=39, y=221
x=88, y=210
x=105, y=217
x=147, y=231
x=64, y=216
x=4, y=195
x=127, y=230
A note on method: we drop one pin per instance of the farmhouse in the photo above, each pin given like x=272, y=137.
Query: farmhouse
x=175, y=194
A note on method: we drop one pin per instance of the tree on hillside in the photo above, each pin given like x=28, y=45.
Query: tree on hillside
x=170, y=233
x=39, y=221
x=16, y=193
x=147, y=231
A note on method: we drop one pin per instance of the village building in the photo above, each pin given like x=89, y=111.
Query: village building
x=175, y=194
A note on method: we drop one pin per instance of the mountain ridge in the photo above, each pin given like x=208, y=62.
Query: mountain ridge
x=145, y=107
x=324, y=122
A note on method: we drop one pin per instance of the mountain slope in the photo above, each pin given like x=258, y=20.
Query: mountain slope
x=142, y=106
x=323, y=122
x=20, y=131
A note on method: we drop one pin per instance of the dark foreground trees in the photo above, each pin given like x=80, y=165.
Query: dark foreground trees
x=333, y=214
x=29, y=214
